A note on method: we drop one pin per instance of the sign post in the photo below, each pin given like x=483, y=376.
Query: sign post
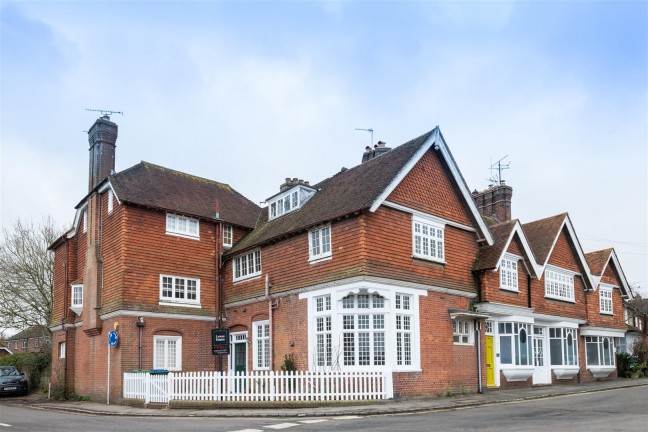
x=220, y=345
x=113, y=340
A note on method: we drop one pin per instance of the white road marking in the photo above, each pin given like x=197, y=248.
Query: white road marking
x=248, y=430
x=346, y=417
x=313, y=421
x=281, y=426
x=5, y=425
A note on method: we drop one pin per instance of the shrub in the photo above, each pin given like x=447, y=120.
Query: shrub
x=625, y=364
x=288, y=364
x=32, y=364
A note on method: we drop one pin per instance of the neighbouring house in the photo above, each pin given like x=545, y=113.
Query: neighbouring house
x=33, y=339
x=391, y=265
x=636, y=319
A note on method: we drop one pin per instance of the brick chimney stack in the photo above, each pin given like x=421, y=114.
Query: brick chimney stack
x=378, y=149
x=102, y=137
x=495, y=202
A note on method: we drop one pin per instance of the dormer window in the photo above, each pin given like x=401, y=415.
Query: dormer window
x=289, y=200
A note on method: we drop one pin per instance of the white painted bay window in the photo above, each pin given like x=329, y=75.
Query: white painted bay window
x=563, y=346
x=599, y=351
x=515, y=343
x=354, y=328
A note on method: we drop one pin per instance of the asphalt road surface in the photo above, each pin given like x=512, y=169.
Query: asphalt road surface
x=619, y=409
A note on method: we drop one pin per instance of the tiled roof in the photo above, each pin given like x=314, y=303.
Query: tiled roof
x=345, y=193
x=154, y=186
x=597, y=260
x=31, y=332
x=489, y=255
x=541, y=235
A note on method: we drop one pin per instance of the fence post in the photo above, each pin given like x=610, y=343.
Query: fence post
x=388, y=385
x=147, y=387
x=169, y=392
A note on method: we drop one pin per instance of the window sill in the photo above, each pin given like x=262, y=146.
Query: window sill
x=247, y=278
x=517, y=373
x=463, y=344
x=607, y=313
x=512, y=290
x=315, y=260
x=565, y=372
x=77, y=309
x=601, y=371
x=187, y=236
x=428, y=259
x=179, y=304
x=562, y=299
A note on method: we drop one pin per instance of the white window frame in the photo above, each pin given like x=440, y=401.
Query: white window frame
x=178, y=285
x=25, y=343
x=228, y=236
x=319, y=243
x=462, y=331
x=261, y=345
x=85, y=220
x=62, y=350
x=323, y=331
x=247, y=265
x=110, y=201
x=599, y=343
x=428, y=239
x=36, y=342
x=605, y=299
x=563, y=335
x=289, y=201
x=404, y=336
x=363, y=316
x=76, y=298
x=178, y=353
x=509, y=273
x=559, y=284
x=180, y=226
x=337, y=312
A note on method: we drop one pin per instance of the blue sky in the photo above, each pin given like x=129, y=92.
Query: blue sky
x=249, y=93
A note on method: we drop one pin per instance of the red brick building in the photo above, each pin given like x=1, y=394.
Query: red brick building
x=33, y=339
x=393, y=264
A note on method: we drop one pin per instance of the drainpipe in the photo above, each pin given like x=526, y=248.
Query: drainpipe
x=479, y=357
x=267, y=293
x=65, y=313
x=529, y=290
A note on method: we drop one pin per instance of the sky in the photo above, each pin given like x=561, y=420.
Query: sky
x=249, y=93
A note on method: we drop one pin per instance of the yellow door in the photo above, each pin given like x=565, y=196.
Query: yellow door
x=490, y=362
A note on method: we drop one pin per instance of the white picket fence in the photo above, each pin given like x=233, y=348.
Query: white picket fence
x=258, y=386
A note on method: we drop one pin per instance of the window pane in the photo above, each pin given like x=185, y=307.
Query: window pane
x=591, y=349
x=505, y=350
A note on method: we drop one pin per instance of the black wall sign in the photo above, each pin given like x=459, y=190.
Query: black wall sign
x=220, y=341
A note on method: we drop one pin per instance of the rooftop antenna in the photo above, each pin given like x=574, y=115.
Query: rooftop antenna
x=105, y=112
x=496, y=178
x=367, y=130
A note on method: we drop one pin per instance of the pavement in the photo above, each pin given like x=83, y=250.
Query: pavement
x=394, y=406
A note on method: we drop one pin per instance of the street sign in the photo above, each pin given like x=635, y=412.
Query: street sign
x=220, y=342
x=113, y=338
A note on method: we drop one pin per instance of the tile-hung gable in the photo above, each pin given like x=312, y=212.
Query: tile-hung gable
x=361, y=188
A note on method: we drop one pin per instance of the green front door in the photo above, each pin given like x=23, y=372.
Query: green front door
x=240, y=358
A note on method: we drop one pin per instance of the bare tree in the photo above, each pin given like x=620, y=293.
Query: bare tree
x=26, y=273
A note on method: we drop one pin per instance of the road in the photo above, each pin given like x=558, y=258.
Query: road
x=619, y=409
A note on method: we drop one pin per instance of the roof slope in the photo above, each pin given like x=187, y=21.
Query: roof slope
x=345, y=193
x=597, y=260
x=542, y=235
x=34, y=331
x=489, y=255
x=154, y=186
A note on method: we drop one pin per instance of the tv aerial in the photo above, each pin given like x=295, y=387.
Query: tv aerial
x=370, y=130
x=105, y=112
x=496, y=171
